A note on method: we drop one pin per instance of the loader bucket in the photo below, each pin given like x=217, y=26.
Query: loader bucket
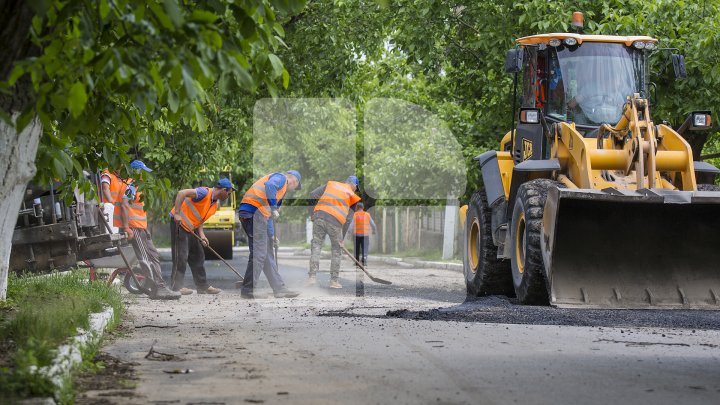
x=632, y=249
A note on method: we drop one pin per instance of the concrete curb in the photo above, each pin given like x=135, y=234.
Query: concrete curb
x=70, y=355
x=397, y=261
x=166, y=253
x=166, y=256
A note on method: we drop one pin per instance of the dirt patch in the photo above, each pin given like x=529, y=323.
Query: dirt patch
x=113, y=378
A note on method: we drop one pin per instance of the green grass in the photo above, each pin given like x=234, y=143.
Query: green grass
x=40, y=314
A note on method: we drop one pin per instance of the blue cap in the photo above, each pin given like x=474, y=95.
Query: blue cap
x=296, y=174
x=354, y=180
x=224, y=183
x=139, y=165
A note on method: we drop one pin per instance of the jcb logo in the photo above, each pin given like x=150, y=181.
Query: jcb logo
x=527, y=149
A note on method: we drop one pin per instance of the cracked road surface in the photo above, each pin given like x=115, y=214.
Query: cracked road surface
x=416, y=341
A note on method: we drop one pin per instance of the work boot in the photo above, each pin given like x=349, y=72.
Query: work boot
x=185, y=291
x=252, y=295
x=164, y=294
x=285, y=293
x=209, y=290
x=312, y=281
x=334, y=284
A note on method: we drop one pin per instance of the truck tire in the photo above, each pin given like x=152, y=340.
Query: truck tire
x=485, y=274
x=528, y=269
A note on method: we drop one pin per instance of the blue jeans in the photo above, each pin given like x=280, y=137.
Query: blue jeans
x=261, y=258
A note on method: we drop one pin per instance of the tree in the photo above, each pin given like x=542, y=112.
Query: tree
x=84, y=82
x=453, y=52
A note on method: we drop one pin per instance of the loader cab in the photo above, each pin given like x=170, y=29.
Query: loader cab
x=589, y=84
x=583, y=79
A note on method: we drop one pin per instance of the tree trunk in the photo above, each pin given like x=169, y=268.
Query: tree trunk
x=17, y=151
x=17, y=168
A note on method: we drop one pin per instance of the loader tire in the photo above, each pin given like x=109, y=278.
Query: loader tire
x=708, y=187
x=528, y=269
x=485, y=274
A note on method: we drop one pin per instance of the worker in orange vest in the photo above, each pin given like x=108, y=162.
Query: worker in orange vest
x=133, y=221
x=335, y=204
x=192, y=208
x=258, y=208
x=110, y=185
x=361, y=225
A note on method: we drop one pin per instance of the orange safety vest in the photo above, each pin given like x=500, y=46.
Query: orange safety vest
x=137, y=218
x=337, y=200
x=190, y=211
x=256, y=196
x=115, y=187
x=362, y=223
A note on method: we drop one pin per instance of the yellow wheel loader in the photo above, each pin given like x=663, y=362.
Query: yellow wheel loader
x=589, y=202
x=220, y=227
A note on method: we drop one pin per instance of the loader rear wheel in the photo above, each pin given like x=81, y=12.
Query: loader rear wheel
x=528, y=269
x=485, y=274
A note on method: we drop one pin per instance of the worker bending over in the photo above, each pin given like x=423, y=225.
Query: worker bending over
x=334, y=207
x=192, y=208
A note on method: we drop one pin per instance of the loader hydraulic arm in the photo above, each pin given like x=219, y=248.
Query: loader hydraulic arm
x=635, y=132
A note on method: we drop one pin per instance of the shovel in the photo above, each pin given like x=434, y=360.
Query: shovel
x=238, y=284
x=375, y=279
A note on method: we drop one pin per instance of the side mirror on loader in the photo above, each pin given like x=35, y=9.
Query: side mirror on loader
x=514, y=60
x=678, y=62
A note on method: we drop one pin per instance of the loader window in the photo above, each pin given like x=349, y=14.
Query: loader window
x=556, y=90
x=530, y=78
x=590, y=83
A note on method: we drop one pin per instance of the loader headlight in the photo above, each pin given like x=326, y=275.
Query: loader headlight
x=650, y=46
x=570, y=41
x=554, y=42
x=529, y=116
x=701, y=120
x=639, y=45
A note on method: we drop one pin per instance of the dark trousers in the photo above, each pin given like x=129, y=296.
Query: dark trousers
x=261, y=258
x=145, y=250
x=361, y=248
x=186, y=250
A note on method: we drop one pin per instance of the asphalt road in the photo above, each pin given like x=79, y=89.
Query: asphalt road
x=416, y=341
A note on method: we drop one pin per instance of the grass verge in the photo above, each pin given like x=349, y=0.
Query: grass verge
x=40, y=314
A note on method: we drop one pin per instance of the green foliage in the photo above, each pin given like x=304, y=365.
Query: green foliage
x=109, y=73
x=43, y=312
x=315, y=136
x=176, y=82
x=448, y=57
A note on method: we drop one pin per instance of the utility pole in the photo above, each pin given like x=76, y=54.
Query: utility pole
x=450, y=223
